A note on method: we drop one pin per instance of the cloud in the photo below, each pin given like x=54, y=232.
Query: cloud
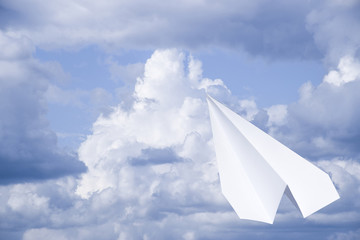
x=168, y=112
x=28, y=149
x=335, y=27
x=348, y=71
x=152, y=172
x=153, y=163
x=158, y=159
x=151, y=166
x=323, y=123
x=274, y=30
x=277, y=115
x=145, y=162
x=126, y=75
x=350, y=235
x=15, y=48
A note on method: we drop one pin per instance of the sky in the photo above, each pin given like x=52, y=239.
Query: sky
x=104, y=126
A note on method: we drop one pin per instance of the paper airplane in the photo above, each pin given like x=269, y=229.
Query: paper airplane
x=256, y=170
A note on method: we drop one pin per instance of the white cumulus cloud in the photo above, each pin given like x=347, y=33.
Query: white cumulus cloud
x=348, y=71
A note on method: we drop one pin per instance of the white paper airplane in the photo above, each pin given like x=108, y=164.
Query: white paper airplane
x=256, y=170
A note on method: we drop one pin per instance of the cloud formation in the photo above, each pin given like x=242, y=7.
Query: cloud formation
x=335, y=27
x=151, y=166
x=168, y=113
x=275, y=29
x=323, y=122
x=152, y=173
x=151, y=151
x=28, y=148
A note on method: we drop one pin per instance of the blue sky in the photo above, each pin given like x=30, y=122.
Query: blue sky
x=104, y=127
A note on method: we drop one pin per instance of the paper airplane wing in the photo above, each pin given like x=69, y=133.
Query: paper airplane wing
x=255, y=169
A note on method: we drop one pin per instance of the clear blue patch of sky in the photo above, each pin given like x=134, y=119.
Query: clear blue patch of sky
x=70, y=123
x=269, y=82
x=86, y=66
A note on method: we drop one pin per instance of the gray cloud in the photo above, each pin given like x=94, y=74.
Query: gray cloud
x=28, y=147
x=155, y=156
x=335, y=25
x=275, y=30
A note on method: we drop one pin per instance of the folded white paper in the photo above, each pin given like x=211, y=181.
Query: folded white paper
x=256, y=170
